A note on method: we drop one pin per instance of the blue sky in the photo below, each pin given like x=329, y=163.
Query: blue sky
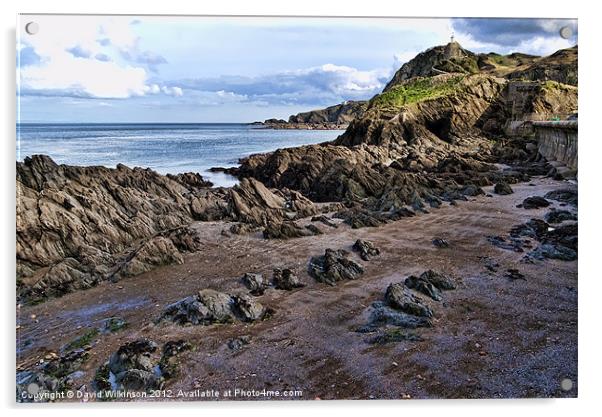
x=200, y=69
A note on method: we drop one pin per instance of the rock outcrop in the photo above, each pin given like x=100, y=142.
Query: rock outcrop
x=434, y=61
x=210, y=307
x=78, y=226
x=332, y=117
x=561, y=66
x=334, y=266
x=286, y=279
x=399, y=297
x=133, y=366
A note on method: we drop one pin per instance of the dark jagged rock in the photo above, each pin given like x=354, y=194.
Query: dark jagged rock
x=64, y=365
x=366, y=249
x=383, y=315
x=207, y=307
x=359, y=218
x=191, y=179
x=552, y=251
x=534, y=203
x=424, y=286
x=334, y=266
x=169, y=364
x=399, y=296
x=247, y=309
x=77, y=226
x=256, y=283
x=515, y=274
x=253, y=203
x=239, y=342
x=287, y=230
x=440, y=243
x=54, y=375
x=286, y=279
x=439, y=280
x=502, y=188
x=133, y=366
x=554, y=243
x=512, y=244
x=534, y=228
x=430, y=283
x=566, y=196
x=323, y=219
x=314, y=229
x=210, y=306
x=393, y=336
x=565, y=234
x=559, y=216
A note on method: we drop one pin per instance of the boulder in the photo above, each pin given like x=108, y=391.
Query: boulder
x=559, y=216
x=286, y=279
x=565, y=196
x=133, y=366
x=366, y=249
x=440, y=243
x=246, y=308
x=424, y=286
x=440, y=281
x=286, y=230
x=207, y=307
x=169, y=363
x=334, y=266
x=256, y=283
x=210, y=307
x=534, y=203
x=502, y=188
x=399, y=297
x=326, y=220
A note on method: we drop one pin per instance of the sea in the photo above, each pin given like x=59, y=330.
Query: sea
x=165, y=148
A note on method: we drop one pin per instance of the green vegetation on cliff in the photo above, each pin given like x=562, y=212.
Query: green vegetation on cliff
x=414, y=91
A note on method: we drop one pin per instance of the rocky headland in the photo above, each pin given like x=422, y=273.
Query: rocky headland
x=404, y=250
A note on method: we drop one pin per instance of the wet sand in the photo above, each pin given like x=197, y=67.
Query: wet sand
x=492, y=336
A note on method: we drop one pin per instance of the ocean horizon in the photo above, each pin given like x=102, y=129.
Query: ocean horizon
x=168, y=148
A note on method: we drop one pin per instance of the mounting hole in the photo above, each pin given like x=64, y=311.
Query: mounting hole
x=566, y=32
x=566, y=384
x=32, y=28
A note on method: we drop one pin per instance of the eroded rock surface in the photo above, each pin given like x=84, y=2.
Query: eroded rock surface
x=133, y=366
x=210, y=306
x=400, y=297
x=366, y=249
x=334, y=266
x=286, y=279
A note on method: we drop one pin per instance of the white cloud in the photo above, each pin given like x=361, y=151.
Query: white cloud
x=172, y=91
x=544, y=45
x=65, y=68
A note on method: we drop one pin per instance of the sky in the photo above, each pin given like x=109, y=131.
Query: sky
x=216, y=69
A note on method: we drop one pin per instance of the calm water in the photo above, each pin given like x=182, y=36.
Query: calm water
x=166, y=148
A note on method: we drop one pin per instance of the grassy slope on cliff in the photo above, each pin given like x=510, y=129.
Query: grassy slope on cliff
x=416, y=90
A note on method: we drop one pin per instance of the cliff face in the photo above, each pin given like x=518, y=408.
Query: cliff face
x=560, y=66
